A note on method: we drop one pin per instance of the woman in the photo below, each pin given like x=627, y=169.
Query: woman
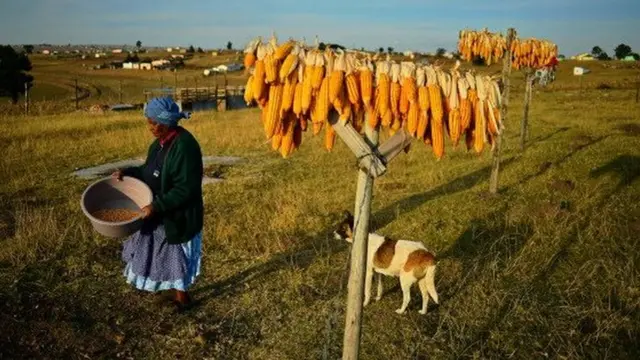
x=165, y=253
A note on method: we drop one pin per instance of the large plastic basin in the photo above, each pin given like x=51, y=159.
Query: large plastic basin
x=109, y=193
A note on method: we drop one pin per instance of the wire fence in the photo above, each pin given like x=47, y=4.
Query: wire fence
x=101, y=92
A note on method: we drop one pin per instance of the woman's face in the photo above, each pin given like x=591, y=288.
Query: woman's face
x=158, y=130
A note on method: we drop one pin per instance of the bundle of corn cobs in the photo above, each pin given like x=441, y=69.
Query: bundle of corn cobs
x=294, y=85
x=529, y=53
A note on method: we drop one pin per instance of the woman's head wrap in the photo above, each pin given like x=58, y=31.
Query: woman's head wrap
x=163, y=110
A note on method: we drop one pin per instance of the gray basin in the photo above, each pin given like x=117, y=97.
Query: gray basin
x=109, y=193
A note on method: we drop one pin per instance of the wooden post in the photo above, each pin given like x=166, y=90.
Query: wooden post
x=120, y=93
x=77, y=98
x=355, y=297
x=506, y=84
x=26, y=98
x=524, y=125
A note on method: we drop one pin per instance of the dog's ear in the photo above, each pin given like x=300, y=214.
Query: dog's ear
x=347, y=215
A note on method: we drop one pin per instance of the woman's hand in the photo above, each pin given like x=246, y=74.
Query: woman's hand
x=147, y=211
x=118, y=175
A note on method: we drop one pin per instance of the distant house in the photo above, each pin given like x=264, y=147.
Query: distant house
x=228, y=68
x=116, y=51
x=160, y=63
x=215, y=53
x=177, y=56
x=169, y=49
x=46, y=52
x=409, y=54
x=145, y=66
x=583, y=57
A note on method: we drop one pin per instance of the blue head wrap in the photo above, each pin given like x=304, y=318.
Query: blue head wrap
x=163, y=110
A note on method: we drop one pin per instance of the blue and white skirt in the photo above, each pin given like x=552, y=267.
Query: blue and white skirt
x=153, y=265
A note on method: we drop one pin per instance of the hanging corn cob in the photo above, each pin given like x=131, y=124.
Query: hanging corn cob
x=454, y=106
x=292, y=85
x=435, y=102
x=529, y=53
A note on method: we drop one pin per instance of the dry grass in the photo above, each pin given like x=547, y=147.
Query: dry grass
x=549, y=268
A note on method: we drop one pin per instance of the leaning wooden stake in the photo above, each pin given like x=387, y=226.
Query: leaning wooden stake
x=524, y=126
x=506, y=84
x=353, y=321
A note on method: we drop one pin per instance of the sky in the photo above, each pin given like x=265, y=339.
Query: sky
x=575, y=25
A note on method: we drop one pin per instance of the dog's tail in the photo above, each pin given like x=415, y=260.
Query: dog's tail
x=429, y=280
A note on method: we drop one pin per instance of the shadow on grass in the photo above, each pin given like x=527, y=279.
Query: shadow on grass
x=10, y=203
x=544, y=167
x=487, y=241
x=626, y=166
x=386, y=215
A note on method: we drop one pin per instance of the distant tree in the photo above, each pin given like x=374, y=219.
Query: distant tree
x=132, y=58
x=635, y=56
x=596, y=51
x=622, y=51
x=362, y=48
x=191, y=50
x=381, y=50
x=603, y=56
x=390, y=49
x=28, y=49
x=561, y=56
x=138, y=44
x=200, y=50
x=440, y=52
x=13, y=76
x=229, y=45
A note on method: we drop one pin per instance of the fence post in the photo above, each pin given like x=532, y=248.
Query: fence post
x=357, y=273
x=506, y=84
x=26, y=98
x=77, y=98
x=524, y=126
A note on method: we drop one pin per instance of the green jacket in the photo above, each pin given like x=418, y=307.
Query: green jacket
x=180, y=202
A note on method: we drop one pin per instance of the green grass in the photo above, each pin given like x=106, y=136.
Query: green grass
x=549, y=268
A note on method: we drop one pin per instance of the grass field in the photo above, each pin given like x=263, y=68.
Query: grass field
x=549, y=268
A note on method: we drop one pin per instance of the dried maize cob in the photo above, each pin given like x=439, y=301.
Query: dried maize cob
x=307, y=83
x=250, y=52
x=329, y=137
x=383, y=87
x=413, y=118
x=284, y=50
x=290, y=63
x=337, y=76
x=273, y=118
x=288, y=125
x=318, y=72
x=366, y=83
x=352, y=83
x=423, y=123
x=259, y=75
x=288, y=94
x=248, y=91
x=322, y=101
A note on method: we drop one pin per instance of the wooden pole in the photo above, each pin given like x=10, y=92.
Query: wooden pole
x=120, y=93
x=77, y=98
x=355, y=298
x=506, y=84
x=524, y=125
x=26, y=98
